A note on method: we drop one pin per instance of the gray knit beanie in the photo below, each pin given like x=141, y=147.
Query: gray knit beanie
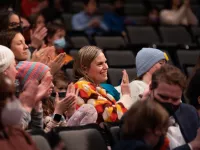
x=6, y=58
x=146, y=58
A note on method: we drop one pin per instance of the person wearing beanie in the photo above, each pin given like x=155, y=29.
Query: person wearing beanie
x=192, y=92
x=31, y=71
x=148, y=60
x=7, y=63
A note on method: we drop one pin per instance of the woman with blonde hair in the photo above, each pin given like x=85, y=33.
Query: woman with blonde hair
x=90, y=70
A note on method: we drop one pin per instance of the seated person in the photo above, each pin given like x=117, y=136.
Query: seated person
x=12, y=137
x=16, y=42
x=148, y=60
x=116, y=20
x=145, y=126
x=87, y=21
x=178, y=14
x=56, y=36
x=90, y=70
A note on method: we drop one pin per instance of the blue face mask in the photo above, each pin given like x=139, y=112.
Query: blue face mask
x=60, y=43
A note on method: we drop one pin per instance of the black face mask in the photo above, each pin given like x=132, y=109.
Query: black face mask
x=170, y=108
x=19, y=29
x=120, y=11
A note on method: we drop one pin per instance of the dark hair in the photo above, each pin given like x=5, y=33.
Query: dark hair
x=168, y=74
x=4, y=19
x=53, y=28
x=6, y=37
x=33, y=19
x=192, y=91
x=144, y=115
x=60, y=76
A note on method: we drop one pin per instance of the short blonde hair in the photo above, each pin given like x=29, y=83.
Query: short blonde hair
x=83, y=61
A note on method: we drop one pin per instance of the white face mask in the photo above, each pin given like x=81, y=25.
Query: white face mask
x=12, y=113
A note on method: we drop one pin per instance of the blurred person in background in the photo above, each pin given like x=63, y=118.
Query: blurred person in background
x=87, y=21
x=178, y=12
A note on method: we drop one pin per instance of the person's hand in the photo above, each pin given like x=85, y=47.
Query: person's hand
x=94, y=22
x=43, y=55
x=44, y=88
x=196, y=142
x=57, y=63
x=27, y=97
x=61, y=106
x=38, y=36
x=125, y=89
x=72, y=109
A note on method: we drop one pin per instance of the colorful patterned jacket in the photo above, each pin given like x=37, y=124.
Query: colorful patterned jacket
x=107, y=108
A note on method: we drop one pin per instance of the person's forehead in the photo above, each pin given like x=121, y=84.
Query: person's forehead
x=169, y=89
x=101, y=57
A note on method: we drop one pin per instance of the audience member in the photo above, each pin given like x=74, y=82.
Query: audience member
x=116, y=20
x=37, y=20
x=16, y=42
x=145, y=126
x=148, y=60
x=167, y=88
x=153, y=16
x=11, y=114
x=10, y=20
x=56, y=36
x=87, y=21
x=178, y=14
x=28, y=71
x=30, y=7
x=27, y=97
x=90, y=69
x=7, y=63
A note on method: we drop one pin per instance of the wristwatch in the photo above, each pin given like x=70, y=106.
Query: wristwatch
x=57, y=117
x=32, y=49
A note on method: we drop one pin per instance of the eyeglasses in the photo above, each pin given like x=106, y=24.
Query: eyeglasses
x=15, y=24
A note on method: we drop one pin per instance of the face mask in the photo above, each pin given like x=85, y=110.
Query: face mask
x=19, y=29
x=170, y=108
x=60, y=43
x=12, y=113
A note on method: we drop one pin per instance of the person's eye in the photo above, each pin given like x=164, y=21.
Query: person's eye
x=164, y=97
